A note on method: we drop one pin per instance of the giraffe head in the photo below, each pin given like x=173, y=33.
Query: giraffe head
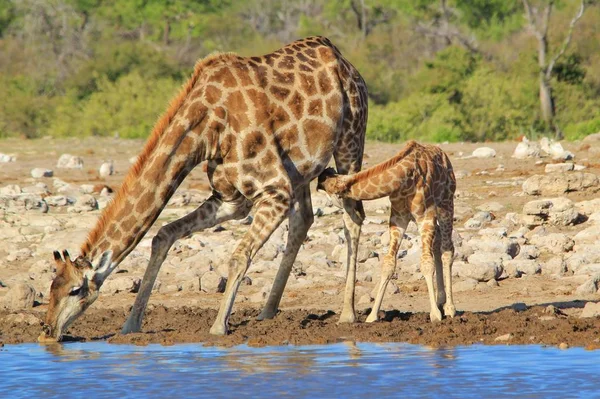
x=73, y=290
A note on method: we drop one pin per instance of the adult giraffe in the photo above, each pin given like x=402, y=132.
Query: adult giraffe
x=267, y=126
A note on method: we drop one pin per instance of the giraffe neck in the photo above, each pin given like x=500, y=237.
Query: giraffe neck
x=137, y=205
x=382, y=179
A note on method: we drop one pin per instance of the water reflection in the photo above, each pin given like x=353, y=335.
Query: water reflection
x=347, y=369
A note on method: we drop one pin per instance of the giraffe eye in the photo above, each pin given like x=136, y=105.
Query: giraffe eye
x=75, y=291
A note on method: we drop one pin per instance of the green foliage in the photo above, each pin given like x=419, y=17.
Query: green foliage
x=128, y=107
x=98, y=67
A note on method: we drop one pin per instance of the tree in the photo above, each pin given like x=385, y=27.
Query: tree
x=539, y=20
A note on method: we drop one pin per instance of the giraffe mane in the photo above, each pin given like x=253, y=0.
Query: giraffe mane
x=159, y=127
x=368, y=173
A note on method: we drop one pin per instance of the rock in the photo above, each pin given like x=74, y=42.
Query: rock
x=589, y=287
x=558, y=211
x=20, y=296
x=526, y=149
x=559, y=167
x=556, y=243
x=516, y=267
x=5, y=158
x=483, y=266
x=510, y=247
x=504, y=338
x=212, y=282
x=38, y=173
x=590, y=309
x=479, y=219
x=22, y=318
x=11, y=189
x=557, y=183
x=555, y=265
x=592, y=137
x=588, y=235
x=588, y=207
x=491, y=207
x=19, y=255
x=84, y=203
x=557, y=152
x=365, y=299
x=106, y=169
x=467, y=284
x=528, y=252
x=118, y=284
x=70, y=162
x=483, y=153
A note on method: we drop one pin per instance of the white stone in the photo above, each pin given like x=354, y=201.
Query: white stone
x=555, y=265
x=590, y=309
x=212, y=282
x=559, y=211
x=483, y=266
x=20, y=296
x=107, y=169
x=70, y=162
x=5, y=158
x=526, y=149
x=38, y=173
x=555, y=243
x=118, y=284
x=517, y=267
x=560, y=183
x=484, y=152
x=11, y=189
x=559, y=167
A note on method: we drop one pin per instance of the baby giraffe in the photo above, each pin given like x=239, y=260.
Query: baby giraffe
x=420, y=183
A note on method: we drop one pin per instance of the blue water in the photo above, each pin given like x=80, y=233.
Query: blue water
x=345, y=370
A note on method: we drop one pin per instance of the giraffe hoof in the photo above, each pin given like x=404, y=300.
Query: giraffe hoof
x=131, y=327
x=435, y=315
x=218, y=329
x=372, y=318
x=449, y=310
x=266, y=314
x=347, y=317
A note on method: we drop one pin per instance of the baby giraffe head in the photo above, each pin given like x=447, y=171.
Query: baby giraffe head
x=73, y=290
x=331, y=182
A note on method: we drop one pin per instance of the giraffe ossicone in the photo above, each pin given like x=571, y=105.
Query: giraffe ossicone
x=267, y=126
x=420, y=184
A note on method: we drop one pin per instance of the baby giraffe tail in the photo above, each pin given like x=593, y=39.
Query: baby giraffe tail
x=331, y=182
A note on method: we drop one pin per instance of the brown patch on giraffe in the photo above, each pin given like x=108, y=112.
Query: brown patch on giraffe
x=287, y=137
x=305, y=68
x=288, y=62
x=295, y=153
x=261, y=105
x=226, y=77
x=296, y=105
x=145, y=202
x=284, y=78
x=268, y=160
x=327, y=55
x=315, y=107
x=333, y=106
x=253, y=144
x=313, y=127
x=195, y=110
x=280, y=93
x=308, y=84
x=262, y=76
x=212, y=94
x=324, y=82
x=279, y=118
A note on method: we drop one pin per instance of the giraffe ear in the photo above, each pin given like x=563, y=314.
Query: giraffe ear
x=60, y=263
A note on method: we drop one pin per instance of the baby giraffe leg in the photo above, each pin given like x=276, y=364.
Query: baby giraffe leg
x=398, y=223
x=427, y=229
x=445, y=222
x=439, y=271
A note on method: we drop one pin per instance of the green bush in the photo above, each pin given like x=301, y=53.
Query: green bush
x=128, y=107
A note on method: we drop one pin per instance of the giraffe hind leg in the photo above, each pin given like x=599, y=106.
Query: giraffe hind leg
x=300, y=222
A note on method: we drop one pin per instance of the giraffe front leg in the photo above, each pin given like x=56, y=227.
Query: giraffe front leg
x=272, y=208
x=439, y=272
x=445, y=220
x=398, y=224
x=300, y=222
x=210, y=213
x=354, y=215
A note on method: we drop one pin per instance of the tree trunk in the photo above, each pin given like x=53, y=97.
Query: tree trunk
x=546, y=101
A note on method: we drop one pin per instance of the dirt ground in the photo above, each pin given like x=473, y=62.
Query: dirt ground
x=540, y=309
